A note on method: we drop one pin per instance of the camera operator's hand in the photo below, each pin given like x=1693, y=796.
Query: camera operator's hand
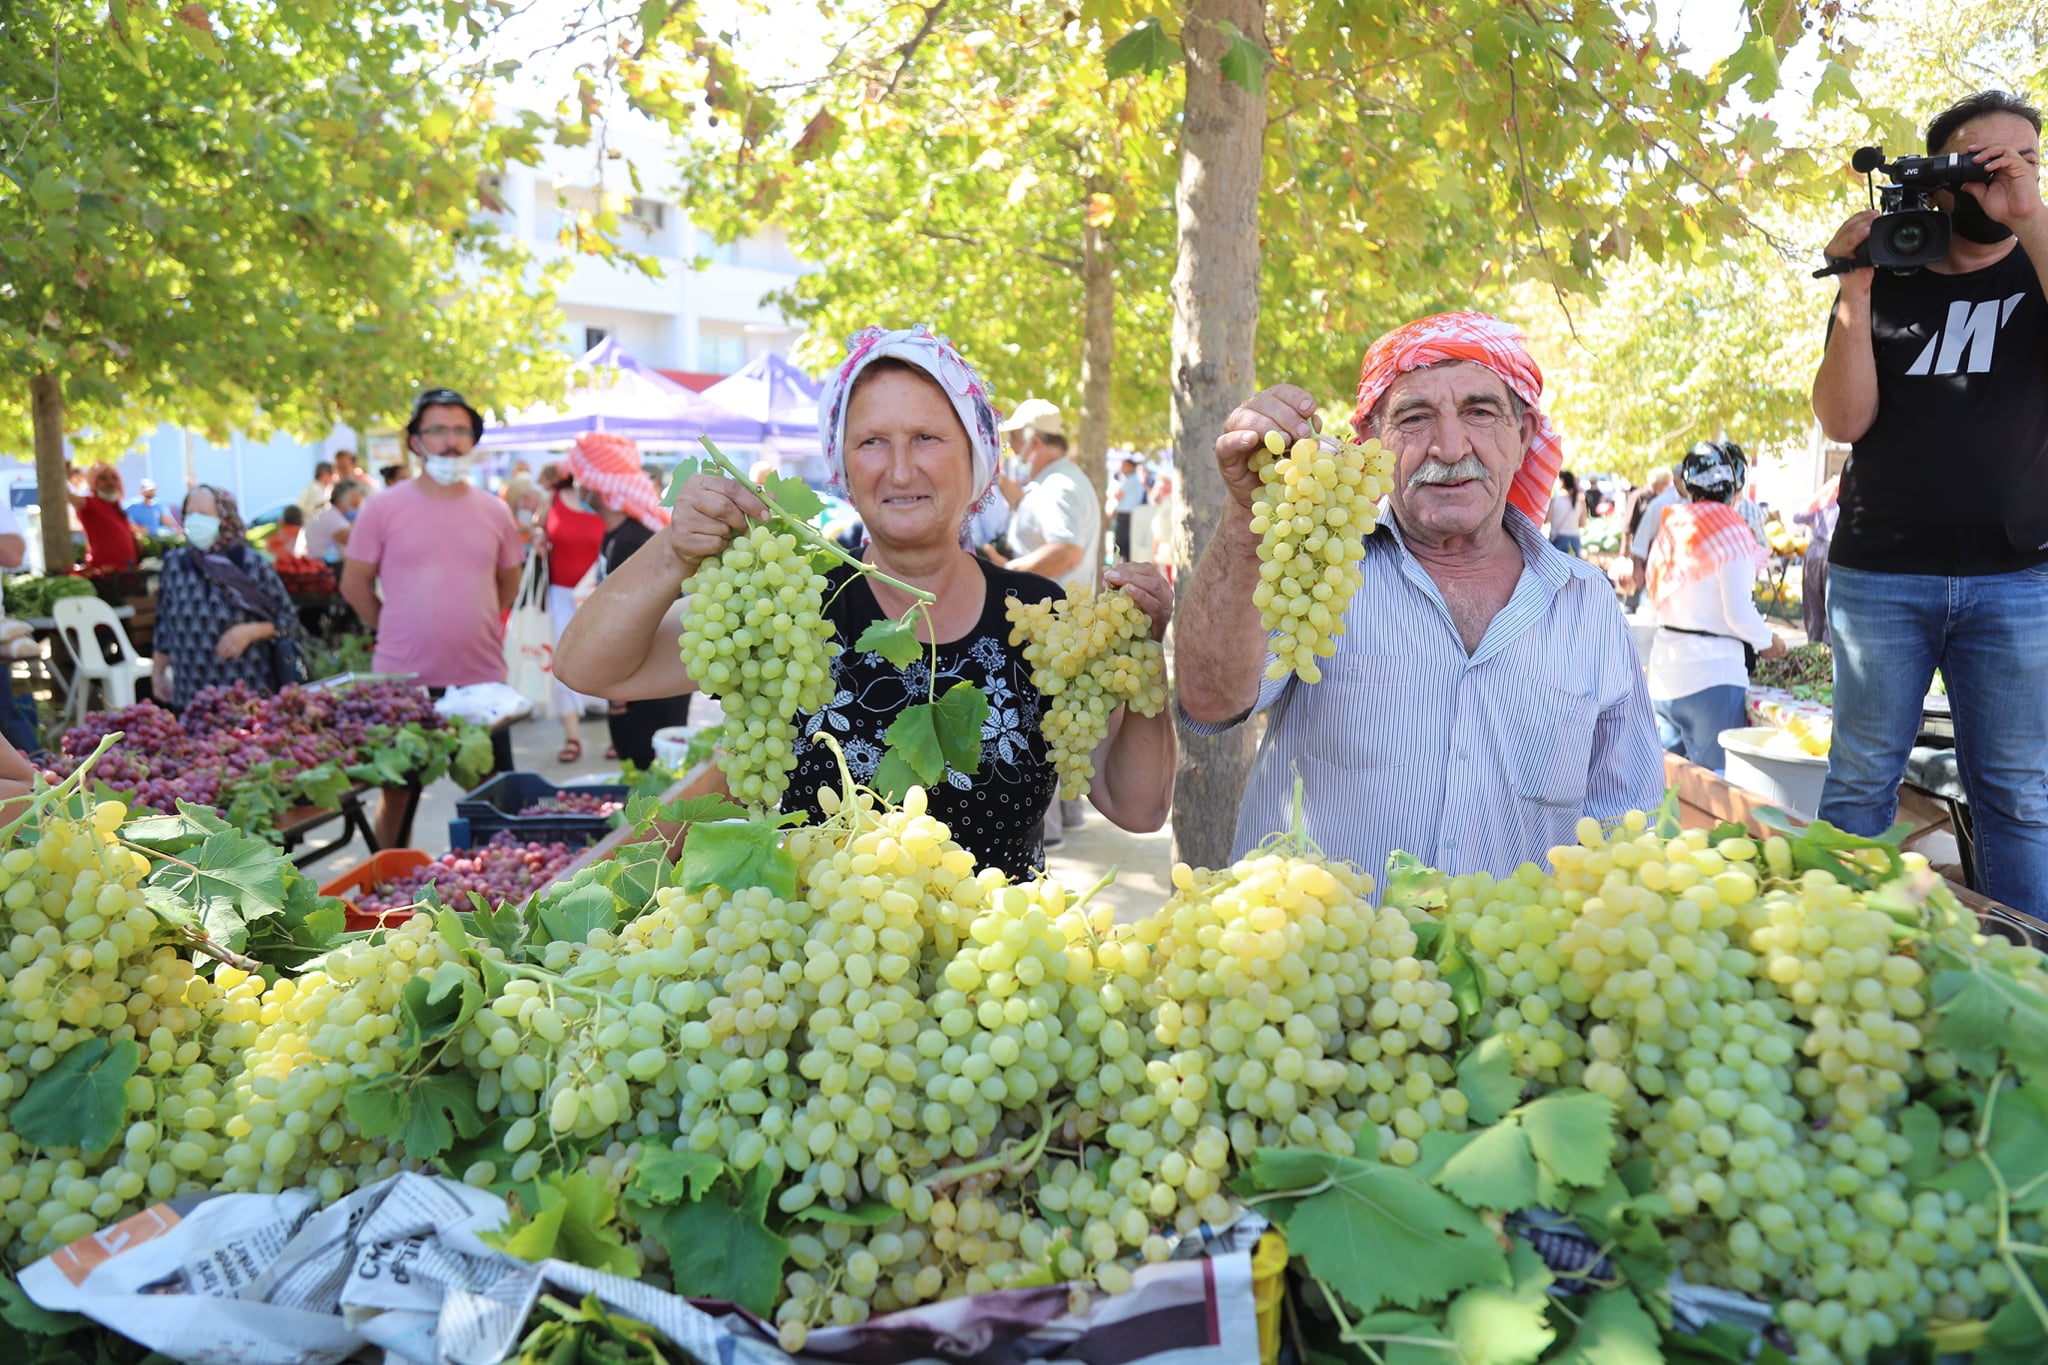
x=2014, y=193
x=1847, y=240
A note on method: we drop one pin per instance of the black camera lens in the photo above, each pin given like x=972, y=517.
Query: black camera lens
x=1909, y=238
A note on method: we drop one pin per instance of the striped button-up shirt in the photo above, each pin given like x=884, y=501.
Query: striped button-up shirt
x=1471, y=762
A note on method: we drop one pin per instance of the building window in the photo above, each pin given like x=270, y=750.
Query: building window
x=593, y=335
x=712, y=250
x=651, y=214
x=720, y=352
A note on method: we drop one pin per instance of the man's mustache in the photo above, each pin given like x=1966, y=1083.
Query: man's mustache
x=1435, y=471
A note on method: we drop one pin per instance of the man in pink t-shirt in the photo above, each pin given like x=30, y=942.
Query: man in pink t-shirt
x=447, y=557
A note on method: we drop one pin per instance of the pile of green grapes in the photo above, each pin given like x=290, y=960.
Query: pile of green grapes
x=754, y=637
x=1761, y=1034
x=1319, y=502
x=1089, y=653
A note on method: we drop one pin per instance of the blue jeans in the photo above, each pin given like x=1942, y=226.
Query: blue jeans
x=1571, y=545
x=1691, y=726
x=1989, y=637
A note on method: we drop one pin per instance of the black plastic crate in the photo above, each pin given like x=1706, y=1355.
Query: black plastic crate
x=496, y=805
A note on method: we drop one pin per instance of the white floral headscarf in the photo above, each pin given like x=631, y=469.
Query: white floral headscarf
x=935, y=356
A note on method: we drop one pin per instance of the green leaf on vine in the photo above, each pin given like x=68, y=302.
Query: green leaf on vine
x=82, y=1100
x=1146, y=48
x=895, y=641
x=797, y=499
x=736, y=856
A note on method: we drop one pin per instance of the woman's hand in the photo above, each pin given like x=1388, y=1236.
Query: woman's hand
x=1146, y=586
x=710, y=510
x=1775, y=650
x=235, y=640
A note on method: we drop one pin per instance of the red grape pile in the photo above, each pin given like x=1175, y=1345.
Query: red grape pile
x=504, y=871
x=575, y=803
x=230, y=736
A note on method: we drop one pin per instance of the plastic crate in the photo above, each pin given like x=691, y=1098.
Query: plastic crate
x=382, y=867
x=495, y=807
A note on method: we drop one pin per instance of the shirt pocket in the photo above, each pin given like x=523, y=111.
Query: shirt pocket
x=1553, y=745
x=1363, y=714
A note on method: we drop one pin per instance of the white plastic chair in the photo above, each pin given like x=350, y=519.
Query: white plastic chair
x=78, y=622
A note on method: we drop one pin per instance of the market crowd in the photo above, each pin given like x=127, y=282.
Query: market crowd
x=1487, y=692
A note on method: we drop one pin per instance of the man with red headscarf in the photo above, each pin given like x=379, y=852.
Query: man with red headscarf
x=1485, y=693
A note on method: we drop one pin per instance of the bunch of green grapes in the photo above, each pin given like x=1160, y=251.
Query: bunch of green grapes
x=83, y=958
x=1318, y=503
x=1295, y=1014
x=754, y=637
x=1089, y=653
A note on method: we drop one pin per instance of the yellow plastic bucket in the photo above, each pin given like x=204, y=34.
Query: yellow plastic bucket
x=1269, y=1283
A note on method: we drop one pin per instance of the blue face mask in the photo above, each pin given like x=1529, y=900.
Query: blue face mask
x=350, y=515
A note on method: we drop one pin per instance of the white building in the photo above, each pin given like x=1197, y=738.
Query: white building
x=699, y=322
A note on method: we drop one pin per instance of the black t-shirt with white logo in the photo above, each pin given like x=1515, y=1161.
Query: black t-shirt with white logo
x=1952, y=477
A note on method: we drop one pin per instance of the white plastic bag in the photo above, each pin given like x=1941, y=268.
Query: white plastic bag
x=530, y=636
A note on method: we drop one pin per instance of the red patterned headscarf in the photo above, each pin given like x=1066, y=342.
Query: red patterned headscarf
x=610, y=465
x=1693, y=541
x=1485, y=340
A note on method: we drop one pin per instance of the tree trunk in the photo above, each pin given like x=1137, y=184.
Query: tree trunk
x=1215, y=327
x=53, y=493
x=1098, y=351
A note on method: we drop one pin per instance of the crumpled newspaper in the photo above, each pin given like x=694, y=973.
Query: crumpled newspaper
x=484, y=703
x=395, y=1273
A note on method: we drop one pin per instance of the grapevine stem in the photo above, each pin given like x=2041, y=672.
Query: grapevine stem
x=40, y=801
x=1012, y=1159
x=803, y=530
x=200, y=943
x=1101, y=885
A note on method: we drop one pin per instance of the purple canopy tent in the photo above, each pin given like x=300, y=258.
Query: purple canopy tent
x=618, y=392
x=774, y=393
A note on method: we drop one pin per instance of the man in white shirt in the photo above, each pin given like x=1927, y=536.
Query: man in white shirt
x=1128, y=485
x=1057, y=529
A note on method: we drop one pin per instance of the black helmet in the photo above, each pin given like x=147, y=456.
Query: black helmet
x=449, y=398
x=1714, y=471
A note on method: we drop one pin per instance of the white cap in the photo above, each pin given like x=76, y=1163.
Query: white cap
x=1036, y=414
x=147, y=485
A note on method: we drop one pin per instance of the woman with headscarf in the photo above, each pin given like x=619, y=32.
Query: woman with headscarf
x=1703, y=566
x=220, y=606
x=910, y=437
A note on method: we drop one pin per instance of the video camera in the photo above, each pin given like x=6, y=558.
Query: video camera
x=1910, y=232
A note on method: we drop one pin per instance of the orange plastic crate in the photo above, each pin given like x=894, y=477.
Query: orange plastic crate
x=382, y=867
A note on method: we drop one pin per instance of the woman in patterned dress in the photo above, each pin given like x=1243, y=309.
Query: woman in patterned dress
x=218, y=604
x=910, y=437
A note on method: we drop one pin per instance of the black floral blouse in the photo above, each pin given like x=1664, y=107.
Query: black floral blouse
x=997, y=814
x=192, y=615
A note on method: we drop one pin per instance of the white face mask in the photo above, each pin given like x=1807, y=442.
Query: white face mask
x=446, y=469
x=202, y=531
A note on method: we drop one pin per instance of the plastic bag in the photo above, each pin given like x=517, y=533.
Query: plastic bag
x=530, y=636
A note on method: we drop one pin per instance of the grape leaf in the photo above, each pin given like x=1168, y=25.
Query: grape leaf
x=26, y=1316
x=736, y=857
x=2013, y=1337
x=1989, y=1019
x=1244, y=61
x=961, y=714
x=1412, y=884
x=571, y=918
x=1376, y=1234
x=82, y=1100
x=895, y=641
x=1486, y=1076
x=720, y=1246
x=425, y=1112
x=1494, y=1170
x=914, y=741
x=323, y=786
x=797, y=499
x=1572, y=1135
x=1613, y=1330
x=893, y=778
x=1922, y=1127
x=1504, y=1324
x=571, y=1221
x=1145, y=48
x=432, y=1007
x=660, y=1175
x=1401, y=1339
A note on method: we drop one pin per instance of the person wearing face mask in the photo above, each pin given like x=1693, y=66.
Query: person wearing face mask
x=327, y=534
x=433, y=564
x=219, y=607
x=1946, y=368
x=109, y=538
x=570, y=536
x=909, y=434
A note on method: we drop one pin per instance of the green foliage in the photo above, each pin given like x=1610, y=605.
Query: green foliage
x=82, y=1100
x=571, y=1219
x=715, y=1231
x=589, y=1332
x=35, y=594
x=735, y=857
x=256, y=216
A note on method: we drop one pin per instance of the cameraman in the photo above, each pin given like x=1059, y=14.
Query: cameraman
x=1940, y=380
